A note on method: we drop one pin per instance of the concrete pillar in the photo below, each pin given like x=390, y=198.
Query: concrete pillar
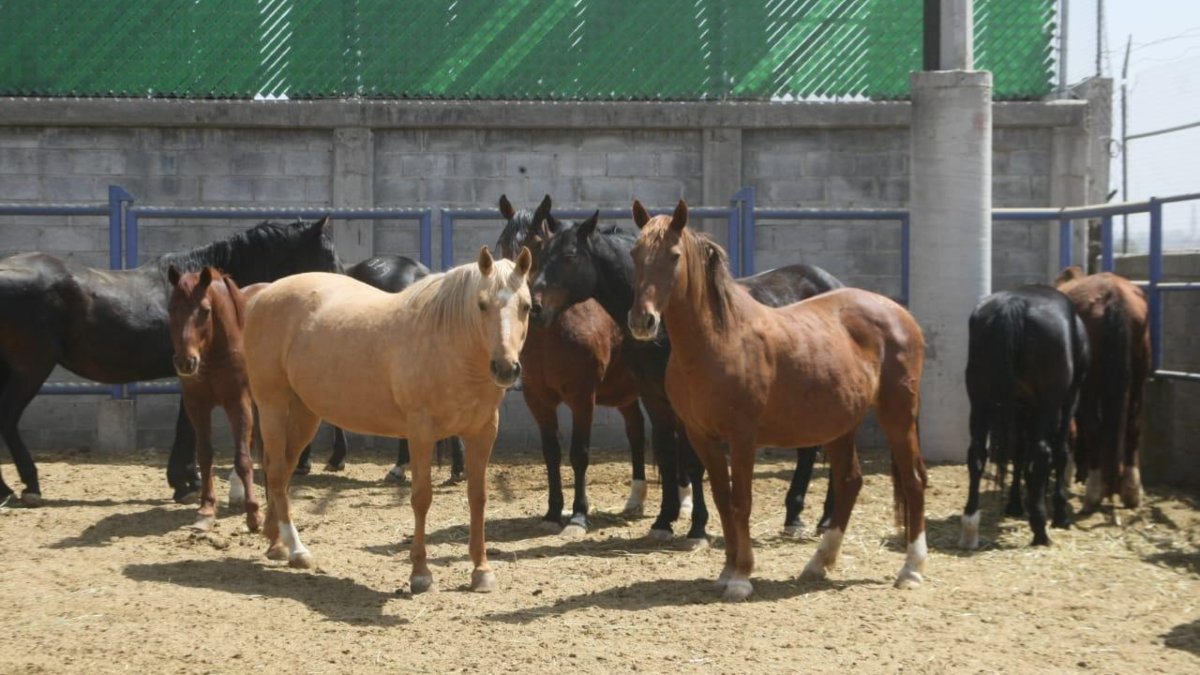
x=353, y=188
x=957, y=39
x=951, y=240
x=116, y=425
x=1069, y=154
x=721, y=157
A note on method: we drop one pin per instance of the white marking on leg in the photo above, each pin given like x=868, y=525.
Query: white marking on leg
x=237, y=491
x=1091, y=496
x=637, y=498
x=685, y=502
x=1131, y=488
x=826, y=556
x=969, y=539
x=579, y=520
x=291, y=539
x=911, y=575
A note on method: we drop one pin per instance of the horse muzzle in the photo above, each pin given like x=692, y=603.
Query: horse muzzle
x=186, y=366
x=644, y=324
x=505, y=373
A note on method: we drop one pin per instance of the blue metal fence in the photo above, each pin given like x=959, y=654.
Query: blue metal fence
x=126, y=219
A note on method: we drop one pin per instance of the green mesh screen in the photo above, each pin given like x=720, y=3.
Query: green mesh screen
x=501, y=49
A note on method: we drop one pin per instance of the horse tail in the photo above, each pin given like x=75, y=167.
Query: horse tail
x=1114, y=372
x=1006, y=331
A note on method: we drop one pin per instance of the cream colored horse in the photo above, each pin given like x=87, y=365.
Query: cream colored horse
x=427, y=363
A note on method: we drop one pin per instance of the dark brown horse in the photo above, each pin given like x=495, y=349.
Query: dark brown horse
x=578, y=360
x=207, y=314
x=1116, y=316
x=748, y=375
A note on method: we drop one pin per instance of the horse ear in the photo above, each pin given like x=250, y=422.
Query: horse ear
x=640, y=216
x=1069, y=274
x=587, y=227
x=524, y=261
x=679, y=218
x=206, y=276
x=544, y=223
x=173, y=275
x=321, y=224
x=506, y=209
x=485, y=261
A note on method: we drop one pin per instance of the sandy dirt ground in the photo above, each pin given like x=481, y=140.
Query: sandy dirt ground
x=108, y=578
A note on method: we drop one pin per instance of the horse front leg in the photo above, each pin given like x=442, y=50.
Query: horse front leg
x=581, y=438
x=337, y=460
x=793, y=503
x=711, y=453
x=421, y=461
x=697, y=536
x=182, y=474
x=478, y=453
x=663, y=427
x=635, y=432
x=241, y=421
x=847, y=481
x=200, y=413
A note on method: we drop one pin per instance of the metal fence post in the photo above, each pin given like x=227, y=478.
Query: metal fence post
x=131, y=239
x=748, y=227
x=1106, y=244
x=117, y=198
x=447, y=240
x=426, y=233
x=1156, y=273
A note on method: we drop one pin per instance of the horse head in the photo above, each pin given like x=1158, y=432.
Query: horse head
x=503, y=302
x=657, y=267
x=567, y=271
x=190, y=309
x=525, y=229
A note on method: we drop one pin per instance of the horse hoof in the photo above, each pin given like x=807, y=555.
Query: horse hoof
x=302, y=470
x=204, y=523
x=420, y=584
x=396, y=475
x=302, y=561
x=659, y=535
x=737, y=590
x=909, y=579
x=277, y=552
x=695, y=543
x=254, y=522
x=1061, y=523
x=192, y=497
x=794, y=531
x=483, y=581
x=633, y=511
x=31, y=499
x=573, y=530
x=330, y=466
x=1040, y=540
x=814, y=571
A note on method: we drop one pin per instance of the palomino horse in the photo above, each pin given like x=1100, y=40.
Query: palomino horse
x=577, y=360
x=806, y=374
x=469, y=321
x=207, y=314
x=581, y=262
x=391, y=273
x=1026, y=361
x=111, y=326
x=1116, y=316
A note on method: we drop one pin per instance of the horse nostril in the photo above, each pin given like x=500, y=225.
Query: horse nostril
x=494, y=368
x=535, y=309
x=517, y=369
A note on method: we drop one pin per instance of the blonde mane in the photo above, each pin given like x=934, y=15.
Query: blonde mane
x=450, y=299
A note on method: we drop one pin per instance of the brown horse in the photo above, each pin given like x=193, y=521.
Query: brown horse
x=577, y=360
x=801, y=375
x=430, y=362
x=1116, y=315
x=207, y=314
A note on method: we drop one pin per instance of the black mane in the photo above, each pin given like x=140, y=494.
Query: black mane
x=258, y=254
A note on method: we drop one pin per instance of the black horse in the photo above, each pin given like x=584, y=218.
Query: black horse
x=111, y=326
x=1025, y=366
x=580, y=262
x=391, y=273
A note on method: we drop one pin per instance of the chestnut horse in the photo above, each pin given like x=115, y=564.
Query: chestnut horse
x=469, y=321
x=207, y=314
x=1116, y=316
x=805, y=374
x=578, y=360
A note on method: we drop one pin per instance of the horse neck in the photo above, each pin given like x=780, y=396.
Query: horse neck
x=615, y=274
x=691, y=312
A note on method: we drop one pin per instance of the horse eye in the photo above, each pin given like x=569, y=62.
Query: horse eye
x=482, y=306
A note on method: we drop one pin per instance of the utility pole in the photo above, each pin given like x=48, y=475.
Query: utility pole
x=1064, y=14
x=1099, y=35
x=1125, y=145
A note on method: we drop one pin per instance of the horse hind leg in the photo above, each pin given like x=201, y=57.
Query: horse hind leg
x=793, y=503
x=635, y=432
x=581, y=438
x=17, y=391
x=976, y=461
x=846, y=482
x=285, y=433
x=1131, y=477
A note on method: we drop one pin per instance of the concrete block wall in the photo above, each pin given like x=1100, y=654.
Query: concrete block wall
x=465, y=154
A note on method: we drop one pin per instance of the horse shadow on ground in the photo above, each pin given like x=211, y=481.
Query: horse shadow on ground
x=337, y=599
x=1185, y=637
x=643, y=595
x=942, y=534
x=522, y=528
x=153, y=522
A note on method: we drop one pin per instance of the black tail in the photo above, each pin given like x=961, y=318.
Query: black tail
x=1005, y=330
x=1114, y=374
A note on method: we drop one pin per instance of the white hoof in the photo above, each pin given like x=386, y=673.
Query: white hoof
x=723, y=580
x=204, y=523
x=685, y=502
x=302, y=560
x=635, y=505
x=737, y=590
x=1095, y=485
x=420, y=583
x=794, y=531
x=1131, y=488
x=660, y=535
x=396, y=475
x=909, y=579
x=697, y=544
x=482, y=581
x=576, y=528
x=969, y=537
x=237, y=491
x=815, y=570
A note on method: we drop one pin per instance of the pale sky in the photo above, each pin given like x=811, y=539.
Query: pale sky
x=1163, y=91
